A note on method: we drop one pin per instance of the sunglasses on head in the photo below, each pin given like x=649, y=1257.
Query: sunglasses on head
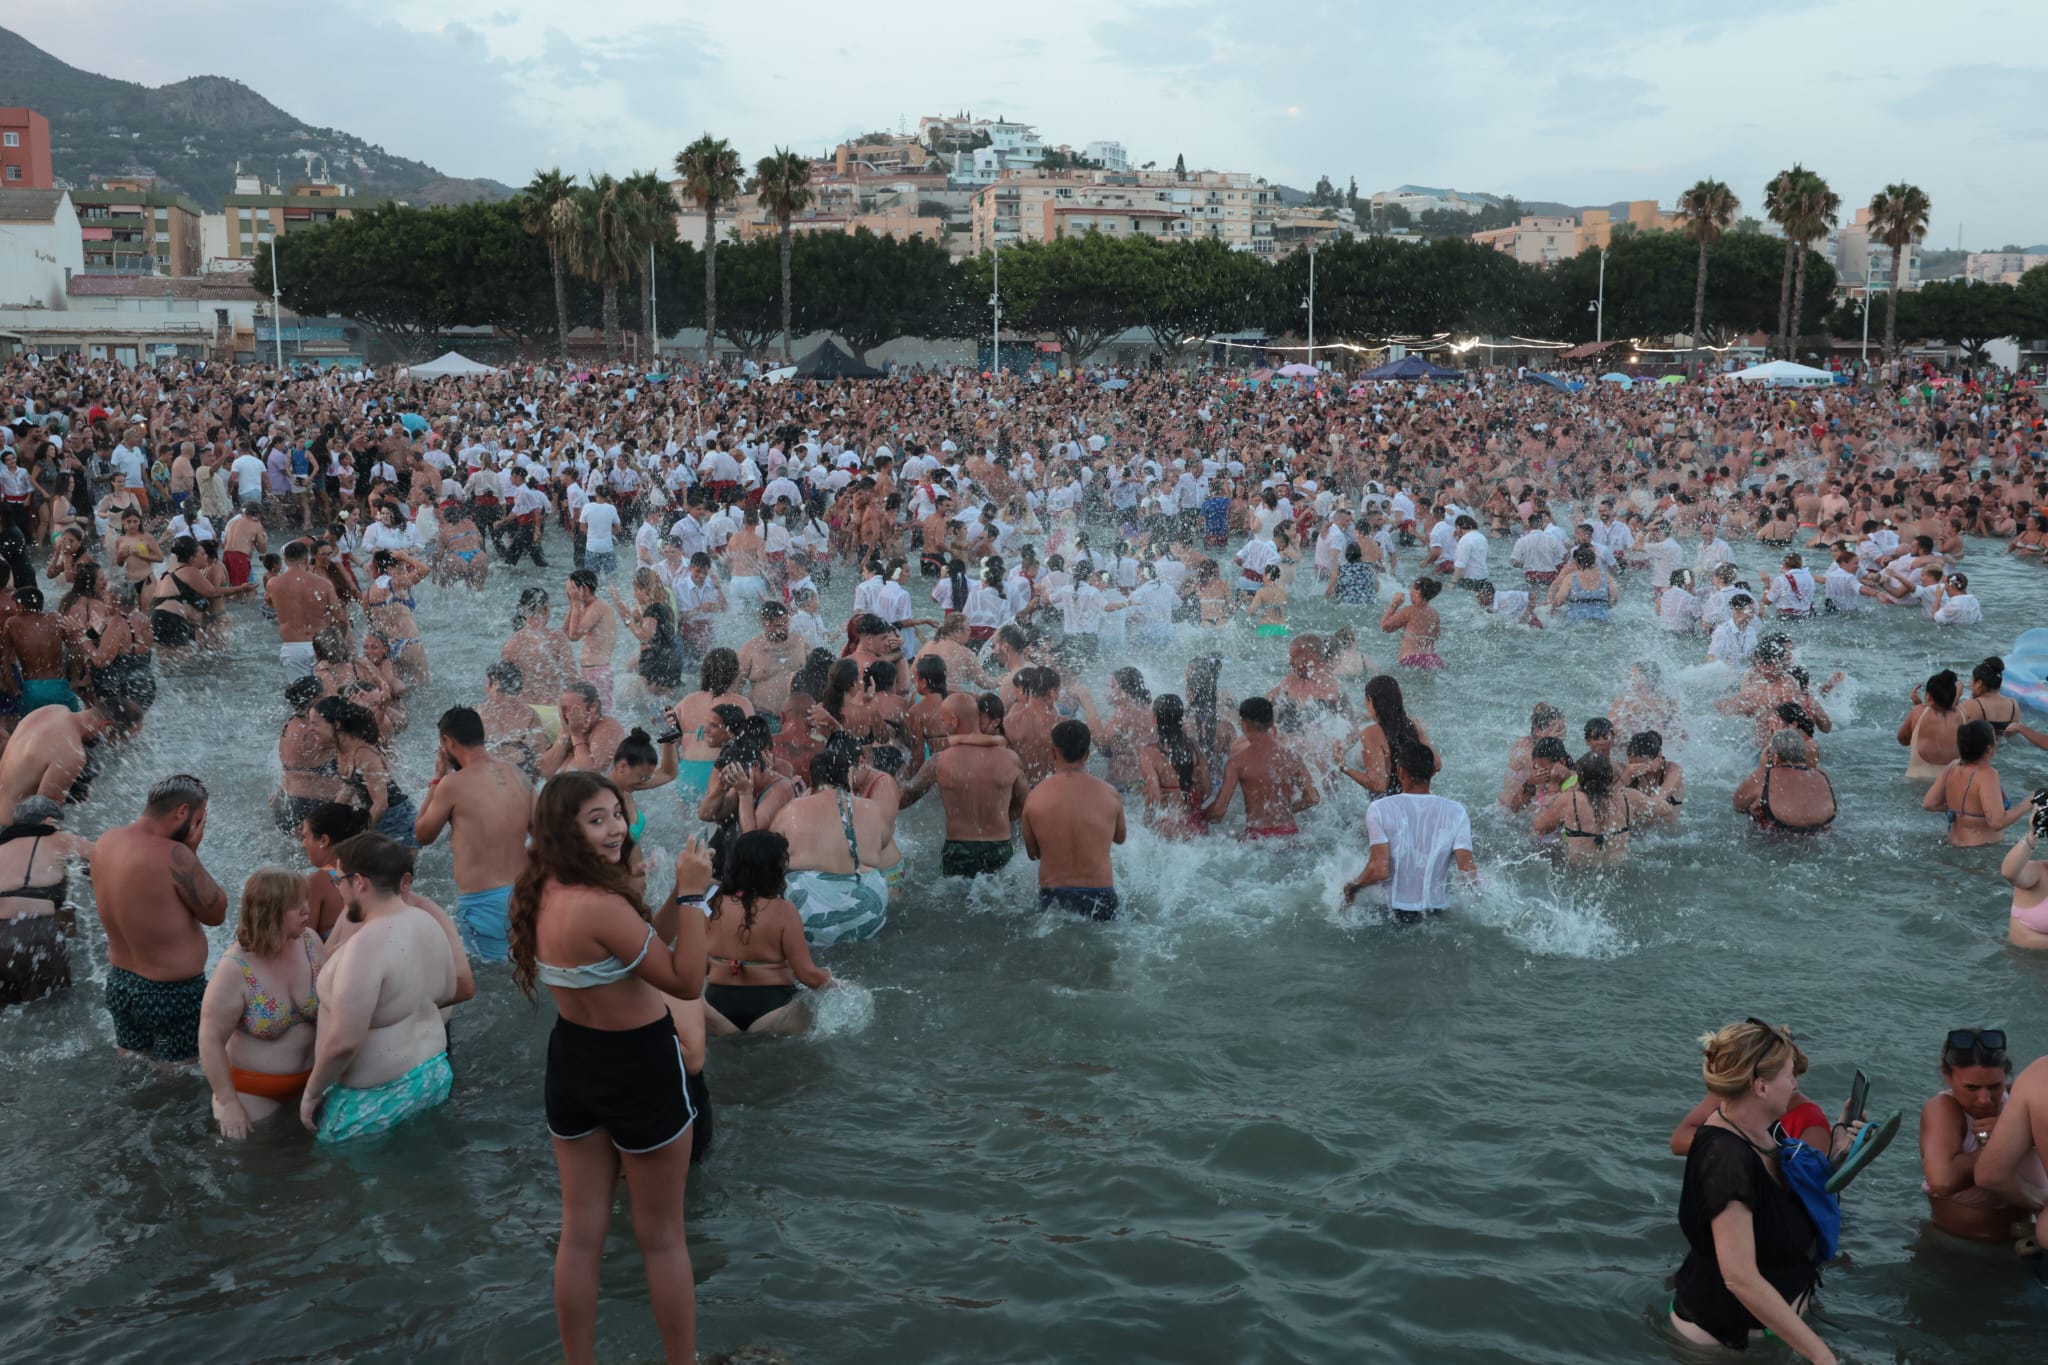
x=1977, y=1040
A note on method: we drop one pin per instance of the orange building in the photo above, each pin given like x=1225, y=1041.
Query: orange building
x=25, y=151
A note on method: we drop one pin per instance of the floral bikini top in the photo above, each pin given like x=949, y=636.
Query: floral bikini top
x=267, y=1017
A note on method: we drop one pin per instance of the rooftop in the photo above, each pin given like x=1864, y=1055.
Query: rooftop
x=221, y=285
x=29, y=206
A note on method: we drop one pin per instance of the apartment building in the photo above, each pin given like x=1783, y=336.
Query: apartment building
x=1040, y=205
x=130, y=227
x=1862, y=261
x=1421, y=199
x=258, y=211
x=1539, y=239
x=2001, y=267
x=25, y=151
x=1545, y=239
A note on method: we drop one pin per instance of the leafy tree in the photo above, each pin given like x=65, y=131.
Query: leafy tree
x=1325, y=194
x=1815, y=209
x=1970, y=315
x=547, y=210
x=710, y=172
x=1898, y=218
x=1706, y=210
x=1194, y=288
x=782, y=183
x=2031, y=299
x=749, y=304
x=1082, y=289
x=1180, y=166
x=604, y=246
x=1780, y=205
x=382, y=267
x=653, y=222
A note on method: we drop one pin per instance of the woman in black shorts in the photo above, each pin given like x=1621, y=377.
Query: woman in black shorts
x=617, y=1090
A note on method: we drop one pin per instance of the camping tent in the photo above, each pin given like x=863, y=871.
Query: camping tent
x=1411, y=367
x=833, y=361
x=453, y=363
x=1785, y=373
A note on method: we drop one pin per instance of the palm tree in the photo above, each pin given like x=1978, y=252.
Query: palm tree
x=710, y=172
x=654, y=222
x=1706, y=210
x=603, y=247
x=1815, y=209
x=1898, y=218
x=782, y=183
x=1778, y=207
x=547, y=210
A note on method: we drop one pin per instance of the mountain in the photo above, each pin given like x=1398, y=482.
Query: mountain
x=191, y=134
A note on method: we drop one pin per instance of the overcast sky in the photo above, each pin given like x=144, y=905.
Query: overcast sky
x=1555, y=101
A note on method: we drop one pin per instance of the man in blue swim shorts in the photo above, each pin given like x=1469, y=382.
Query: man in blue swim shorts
x=395, y=965
x=485, y=803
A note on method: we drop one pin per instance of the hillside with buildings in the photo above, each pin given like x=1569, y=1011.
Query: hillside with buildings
x=192, y=137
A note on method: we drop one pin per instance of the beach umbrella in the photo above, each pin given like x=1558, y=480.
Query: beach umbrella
x=1672, y=379
x=1116, y=383
x=1617, y=377
x=1299, y=371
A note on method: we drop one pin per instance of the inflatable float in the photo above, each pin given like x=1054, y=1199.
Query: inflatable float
x=2026, y=670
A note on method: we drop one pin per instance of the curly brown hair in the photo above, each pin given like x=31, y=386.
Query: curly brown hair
x=559, y=853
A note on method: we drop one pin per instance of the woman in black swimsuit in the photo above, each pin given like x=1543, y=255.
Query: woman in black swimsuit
x=1751, y=1266
x=182, y=598
x=36, y=921
x=1595, y=817
x=1986, y=702
x=756, y=945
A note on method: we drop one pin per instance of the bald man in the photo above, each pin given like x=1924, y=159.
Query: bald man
x=981, y=783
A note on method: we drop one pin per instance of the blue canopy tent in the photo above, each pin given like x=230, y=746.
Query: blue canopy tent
x=1562, y=385
x=1411, y=367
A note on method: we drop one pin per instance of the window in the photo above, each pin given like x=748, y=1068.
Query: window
x=162, y=214
x=13, y=172
x=12, y=140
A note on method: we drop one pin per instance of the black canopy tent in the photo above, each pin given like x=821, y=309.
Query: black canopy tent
x=833, y=361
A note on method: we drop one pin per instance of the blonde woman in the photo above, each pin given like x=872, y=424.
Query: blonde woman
x=257, y=1018
x=1751, y=1267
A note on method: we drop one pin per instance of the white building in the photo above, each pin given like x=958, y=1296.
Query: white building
x=1111, y=156
x=1420, y=199
x=40, y=248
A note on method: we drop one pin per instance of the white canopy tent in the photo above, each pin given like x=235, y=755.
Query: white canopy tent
x=453, y=363
x=1786, y=373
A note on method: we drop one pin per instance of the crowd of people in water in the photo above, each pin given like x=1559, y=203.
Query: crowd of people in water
x=1008, y=541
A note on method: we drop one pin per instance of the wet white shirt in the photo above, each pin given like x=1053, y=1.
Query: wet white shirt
x=1422, y=835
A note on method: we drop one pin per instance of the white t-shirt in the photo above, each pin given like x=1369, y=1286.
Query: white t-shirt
x=1959, y=609
x=1470, y=559
x=1844, y=592
x=600, y=522
x=1422, y=833
x=249, y=472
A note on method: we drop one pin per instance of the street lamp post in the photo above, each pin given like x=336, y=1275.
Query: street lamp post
x=1600, y=304
x=1311, y=303
x=276, y=307
x=995, y=301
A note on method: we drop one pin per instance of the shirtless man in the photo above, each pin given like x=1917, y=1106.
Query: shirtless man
x=53, y=753
x=516, y=735
x=156, y=903
x=1070, y=820
x=1030, y=722
x=545, y=658
x=486, y=805
x=589, y=737
x=770, y=660
x=1277, y=785
x=306, y=604
x=381, y=1054
x=33, y=640
x=924, y=725
x=242, y=540
x=963, y=669
x=981, y=784
x=592, y=624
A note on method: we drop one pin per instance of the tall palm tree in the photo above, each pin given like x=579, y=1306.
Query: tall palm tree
x=782, y=183
x=547, y=210
x=654, y=220
x=1706, y=210
x=1898, y=218
x=603, y=246
x=1778, y=207
x=710, y=171
x=1815, y=209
